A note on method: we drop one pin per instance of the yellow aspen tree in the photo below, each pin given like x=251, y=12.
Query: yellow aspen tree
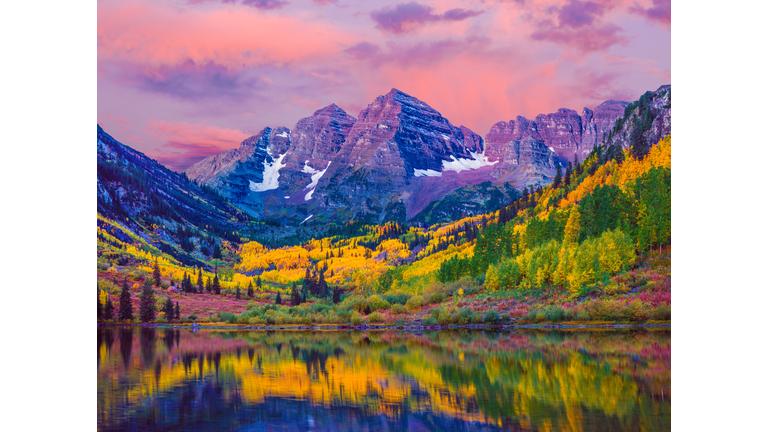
x=573, y=226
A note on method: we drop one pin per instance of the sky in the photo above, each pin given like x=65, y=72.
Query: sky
x=181, y=80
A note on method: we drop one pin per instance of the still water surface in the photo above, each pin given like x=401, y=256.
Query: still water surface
x=532, y=380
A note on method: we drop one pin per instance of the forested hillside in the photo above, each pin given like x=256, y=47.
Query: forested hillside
x=593, y=245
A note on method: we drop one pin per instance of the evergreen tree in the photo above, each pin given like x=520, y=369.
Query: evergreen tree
x=109, y=310
x=295, y=299
x=278, y=300
x=156, y=273
x=639, y=147
x=216, y=252
x=237, y=292
x=147, y=306
x=168, y=309
x=250, y=290
x=568, y=174
x=200, y=280
x=99, y=313
x=126, y=308
x=258, y=283
x=336, y=295
x=216, y=284
x=208, y=286
x=558, y=176
x=177, y=312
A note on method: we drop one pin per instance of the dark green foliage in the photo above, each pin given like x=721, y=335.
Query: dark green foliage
x=126, y=308
x=278, y=299
x=208, y=285
x=336, y=295
x=200, y=280
x=109, y=310
x=147, y=310
x=177, y=312
x=237, y=293
x=99, y=313
x=295, y=297
x=250, y=290
x=216, y=252
x=491, y=317
x=258, y=282
x=216, y=285
x=156, y=274
x=558, y=176
x=168, y=309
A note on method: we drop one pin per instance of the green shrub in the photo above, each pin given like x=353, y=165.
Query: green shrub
x=397, y=309
x=477, y=318
x=255, y=321
x=662, y=312
x=343, y=316
x=415, y=302
x=265, y=296
x=397, y=297
x=161, y=320
x=356, y=318
x=436, y=312
x=429, y=321
x=354, y=302
x=375, y=317
x=491, y=317
x=436, y=298
x=192, y=317
x=377, y=303
x=465, y=317
x=636, y=311
x=244, y=319
x=251, y=304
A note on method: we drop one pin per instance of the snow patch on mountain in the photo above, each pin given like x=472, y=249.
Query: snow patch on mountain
x=316, y=175
x=478, y=161
x=426, y=173
x=271, y=174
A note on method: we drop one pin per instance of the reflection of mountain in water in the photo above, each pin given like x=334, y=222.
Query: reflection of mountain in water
x=385, y=380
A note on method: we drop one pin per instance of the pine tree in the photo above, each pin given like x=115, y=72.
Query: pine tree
x=99, y=313
x=109, y=310
x=278, y=300
x=216, y=284
x=336, y=295
x=156, y=273
x=568, y=174
x=250, y=289
x=237, y=292
x=177, y=312
x=200, y=280
x=258, y=283
x=216, y=252
x=558, y=176
x=208, y=286
x=295, y=300
x=147, y=306
x=126, y=308
x=168, y=309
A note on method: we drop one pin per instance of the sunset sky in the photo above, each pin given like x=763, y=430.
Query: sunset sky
x=184, y=79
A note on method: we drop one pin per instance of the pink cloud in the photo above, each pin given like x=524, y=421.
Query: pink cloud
x=149, y=34
x=406, y=17
x=660, y=13
x=185, y=143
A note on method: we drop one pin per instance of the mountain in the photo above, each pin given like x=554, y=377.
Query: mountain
x=399, y=155
x=139, y=192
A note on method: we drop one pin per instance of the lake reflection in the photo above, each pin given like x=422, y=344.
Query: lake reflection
x=585, y=380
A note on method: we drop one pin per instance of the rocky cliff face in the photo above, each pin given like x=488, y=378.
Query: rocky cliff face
x=396, y=140
x=652, y=113
x=399, y=155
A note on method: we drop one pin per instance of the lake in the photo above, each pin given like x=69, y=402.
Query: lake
x=153, y=379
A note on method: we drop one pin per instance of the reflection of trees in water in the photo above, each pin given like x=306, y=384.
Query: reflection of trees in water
x=524, y=380
x=126, y=345
x=147, y=336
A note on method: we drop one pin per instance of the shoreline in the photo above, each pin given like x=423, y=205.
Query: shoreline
x=416, y=327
